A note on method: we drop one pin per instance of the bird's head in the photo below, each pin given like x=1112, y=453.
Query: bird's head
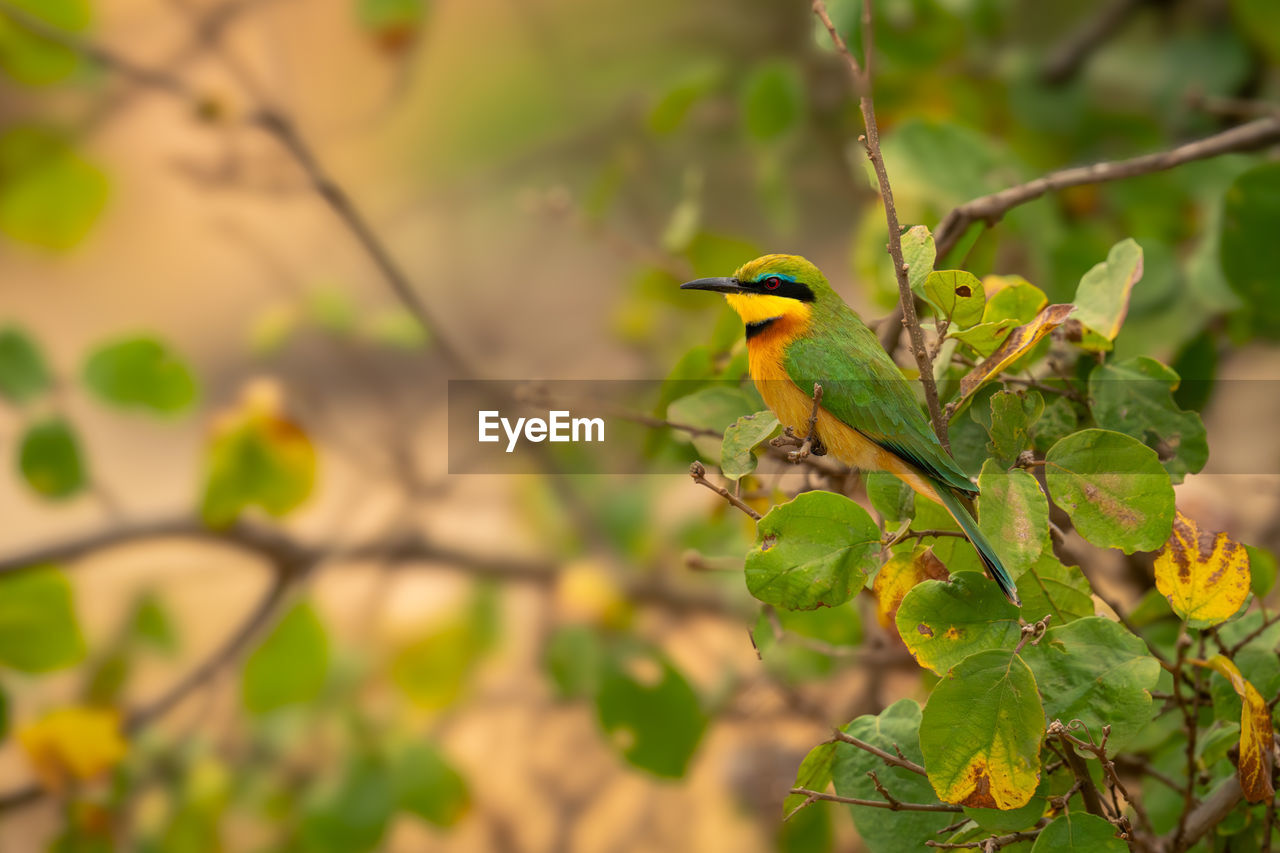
x=768, y=288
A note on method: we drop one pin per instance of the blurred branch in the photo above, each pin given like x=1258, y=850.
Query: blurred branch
x=1205, y=816
x=1070, y=55
x=861, y=75
x=280, y=127
x=990, y=208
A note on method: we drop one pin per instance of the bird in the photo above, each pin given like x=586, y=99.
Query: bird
x=801, y=334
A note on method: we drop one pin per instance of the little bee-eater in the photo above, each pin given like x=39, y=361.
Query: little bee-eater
x=800, y=334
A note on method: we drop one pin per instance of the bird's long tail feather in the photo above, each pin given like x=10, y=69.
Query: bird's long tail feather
x=960, y=511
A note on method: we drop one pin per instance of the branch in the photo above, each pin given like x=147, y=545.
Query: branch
x=861, y=78
x=699, y=474
x=810, y=444
x=990, y=208
x=995, y=842
x=1205, y=816
x=887, y=757
x=1065, y=60
x=896, y=805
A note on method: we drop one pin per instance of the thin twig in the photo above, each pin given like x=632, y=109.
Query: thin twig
x=887, y=757
x=898, y=806
x=862, y=78
x=699, y=474
x=990, y=208
x=995, y=842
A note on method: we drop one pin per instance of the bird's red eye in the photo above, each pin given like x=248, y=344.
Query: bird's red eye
x=772, y=282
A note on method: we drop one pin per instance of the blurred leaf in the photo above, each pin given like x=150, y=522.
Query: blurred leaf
x=1248, y=250
x=944, y=622
x=1085, y=833
x=49, y=196
x=38, y=627
x=1259, y=20
x=772, y=101
x=1018, y=343
x=72, y=745
x=433, y=670
x=889, y=496
x=1262, y=570
x=586, y=592
x=574, y=659
x=1197, y=365
x=23, y=372
x=1135, y=397
x=256, y=457
x=671, y=108
x=899, y=576
x=394, y=24
x=1257, y=734
x=716, y=254
x=50, y=460
x=1113, y=488
x=331, y=309
x=1014, y=514
x=291, y=664
x=736, y=458
x=980, y=733
x=140, y=373
x=957, y=295
x=1049, y=588
x=814, y=551
x=1096, y=671
x=713, y=408
x=4, y=714
x=883, y=831
x=353, y=815
x=429, y=786
x=1102, y=299
x=150, y=624
x=686, y=217
x=941, y=164
x=650, y=713
x=810, y=831
x=396, y=328
x=814, y=773
x=1205, y=576
x=35, y=61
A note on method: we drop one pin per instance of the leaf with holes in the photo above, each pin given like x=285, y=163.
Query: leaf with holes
x=1204, y=575
x=942, y=623
x=956, y=295
x=981, y=731
x=1257, y=734
x=1014, y=514
x=650, y=713
x=1096, y=671
x=1114, y=488
x=814, y=551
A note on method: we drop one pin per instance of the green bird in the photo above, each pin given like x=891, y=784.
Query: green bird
x=801, y=333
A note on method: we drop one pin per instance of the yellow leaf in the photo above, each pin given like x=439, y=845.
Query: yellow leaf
x=897, y=577
x=587, y=594
x=1257, y=737
x=1204, y=575
x=73, y=744
x=1020, y=340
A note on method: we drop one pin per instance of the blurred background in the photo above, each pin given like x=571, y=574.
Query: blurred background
x=211, y=215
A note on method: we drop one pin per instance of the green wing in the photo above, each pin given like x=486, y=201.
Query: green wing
x=864, y=388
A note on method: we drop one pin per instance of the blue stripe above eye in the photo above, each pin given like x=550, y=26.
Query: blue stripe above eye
x=780, y=275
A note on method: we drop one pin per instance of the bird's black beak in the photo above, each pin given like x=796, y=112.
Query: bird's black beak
x=716, y=285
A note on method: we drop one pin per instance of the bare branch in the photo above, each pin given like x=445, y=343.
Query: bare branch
x=699, y=474
x=875, y=804
x=990, y=208
x=887, y=757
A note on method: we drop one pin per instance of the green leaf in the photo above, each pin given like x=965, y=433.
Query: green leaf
x=1014, y=820
x=918, y=253
x=50, y=460
x=49, y=196
x=256, y=458
x=1135, y=397
x=895, y=728
x=291, y=664
x=23, y=372
x=574, y=658
x=713, y=408
x=1102, y=299
x=650, y=713
x=1248, y=250
x=957, y=295
x=35, y=61
x=1113, y=488
x=150, y=624
x=985, y=338
x=1262, y=570
x=736, y=458
x=814, y=551
x=1012, y=297
x=397, y=329
x=1080, y=832
x=772, y=101
x=1259, y=20
x=1096, y=671
x=352, y=815
x=1012, y=414
x=981, y=731
x=38, y=627
x=944, y=622
x=1014, y=514
x=1058, y=420
x=433, y=670
x=4, y=714
x=671, y=108
x=428, y=786
x=814, y=774
x=1049, y=588
x=889, y=496
x=140, y=373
